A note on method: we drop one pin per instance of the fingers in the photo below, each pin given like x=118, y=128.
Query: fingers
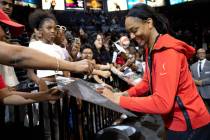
x=88, y=66
x=100, y=90
x=106, y=74
x=91, y=66
x=106, y=90
x=109, y=87
x=108, y=93
x=55, y=92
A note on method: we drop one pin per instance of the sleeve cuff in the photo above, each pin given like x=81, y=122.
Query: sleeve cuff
x=124, y=101
x=131, y=92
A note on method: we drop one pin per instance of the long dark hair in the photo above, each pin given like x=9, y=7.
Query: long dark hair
x=144, y=12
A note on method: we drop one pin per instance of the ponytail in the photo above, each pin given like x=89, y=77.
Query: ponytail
x=161, y=24
x=144, y=12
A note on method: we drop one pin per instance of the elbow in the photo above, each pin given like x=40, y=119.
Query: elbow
x=166, y=111
x=165, y=108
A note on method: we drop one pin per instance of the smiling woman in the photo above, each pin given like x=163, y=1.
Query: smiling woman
x=167, y=78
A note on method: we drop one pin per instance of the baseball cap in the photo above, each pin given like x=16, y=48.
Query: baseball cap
x=4, y=18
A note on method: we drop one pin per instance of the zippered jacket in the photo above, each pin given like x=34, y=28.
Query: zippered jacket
x=171, y=77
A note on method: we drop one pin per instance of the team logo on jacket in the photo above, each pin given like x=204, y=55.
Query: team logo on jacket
x=163, y=70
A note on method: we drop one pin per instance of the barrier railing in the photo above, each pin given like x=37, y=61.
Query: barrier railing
x=69, y=119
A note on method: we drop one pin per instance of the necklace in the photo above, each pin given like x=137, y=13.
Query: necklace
x=150, y=63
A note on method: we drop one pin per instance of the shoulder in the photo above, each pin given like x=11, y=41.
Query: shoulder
x=34, y=44
x=170, y=57
x=57, y=47
x=193, y=65
x=169, y=53
x=207, y=61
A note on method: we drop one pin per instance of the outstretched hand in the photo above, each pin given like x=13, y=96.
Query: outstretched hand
x=105, y=74
x=109, y=94
x=84, y=66
x=51, y=94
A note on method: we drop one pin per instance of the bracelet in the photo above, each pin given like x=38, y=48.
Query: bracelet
x=58, y=65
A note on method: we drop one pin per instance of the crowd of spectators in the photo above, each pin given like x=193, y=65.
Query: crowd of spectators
x=94, y=35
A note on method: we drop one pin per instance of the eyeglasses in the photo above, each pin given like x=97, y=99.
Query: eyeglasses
x=4, y=3
x=59, y=27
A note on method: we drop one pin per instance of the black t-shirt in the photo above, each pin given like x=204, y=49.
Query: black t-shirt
x=102, y=57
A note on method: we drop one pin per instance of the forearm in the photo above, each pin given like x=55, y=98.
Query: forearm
x=97, y=79
x=104, y=67
x=14, y=97
x=29, y=96
x=38, y=60
x=125, y=93
x=139, y=90
x=16, y=100
x=19, y=56
x=123, y=67
x=31, y=75
x=96, y=72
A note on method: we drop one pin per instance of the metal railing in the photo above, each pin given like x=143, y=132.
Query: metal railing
x=69, y=119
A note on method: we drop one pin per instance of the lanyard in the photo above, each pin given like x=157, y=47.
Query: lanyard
x=150, y=63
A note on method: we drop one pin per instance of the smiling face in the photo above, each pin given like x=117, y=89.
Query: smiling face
x=87, y=53
x=139, y=29
x=99, y=41
x=6, y=6
x=75, y=49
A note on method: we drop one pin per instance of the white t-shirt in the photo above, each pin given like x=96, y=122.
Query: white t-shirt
x=49, y=49
x=66, y=54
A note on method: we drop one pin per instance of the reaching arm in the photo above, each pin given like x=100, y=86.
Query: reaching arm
x=165, y=85
x=31, y=75
x=142, y=87
x=162, y=99
x=18, y=98
x=39, y=81
x=19, y=56
x=104, y=74
x=98, y=80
